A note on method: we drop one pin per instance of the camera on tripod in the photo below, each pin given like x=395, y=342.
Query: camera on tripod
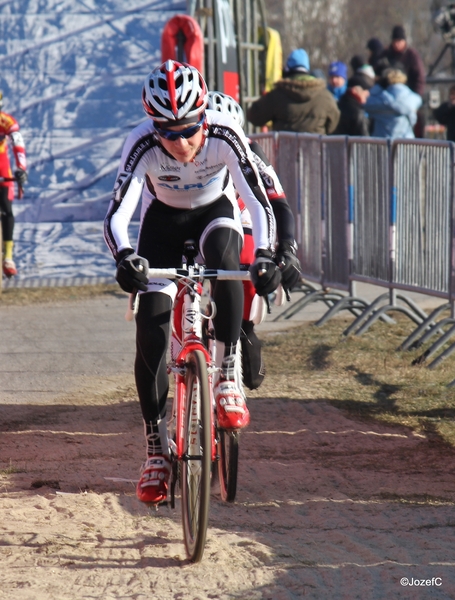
x=444, y=19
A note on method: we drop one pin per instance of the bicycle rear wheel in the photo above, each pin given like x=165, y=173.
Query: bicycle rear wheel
x=228, y=452
x=197, y=458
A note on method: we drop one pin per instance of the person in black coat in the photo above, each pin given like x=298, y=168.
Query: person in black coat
x=400, y=55
x=375, y=50
x=445, y=114
x=353, y=120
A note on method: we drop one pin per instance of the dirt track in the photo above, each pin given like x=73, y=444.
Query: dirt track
x=327, y=507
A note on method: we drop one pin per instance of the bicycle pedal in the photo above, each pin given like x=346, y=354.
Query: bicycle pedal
x=154, y=506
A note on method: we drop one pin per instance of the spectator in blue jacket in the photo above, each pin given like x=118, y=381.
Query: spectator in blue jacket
x=338, y=79
x=393, y=106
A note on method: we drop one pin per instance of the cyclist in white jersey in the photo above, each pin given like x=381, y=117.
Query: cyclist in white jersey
x=185, y=159
x=253, y=369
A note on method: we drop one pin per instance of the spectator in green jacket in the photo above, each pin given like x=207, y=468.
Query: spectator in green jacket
x=298, y=102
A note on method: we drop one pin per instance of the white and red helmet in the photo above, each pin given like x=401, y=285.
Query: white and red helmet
x=174, y=91
x=226, y=104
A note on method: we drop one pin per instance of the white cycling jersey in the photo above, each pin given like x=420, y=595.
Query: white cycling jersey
x=148, y=170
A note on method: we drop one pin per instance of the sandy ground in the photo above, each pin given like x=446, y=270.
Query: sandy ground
x=327, y=508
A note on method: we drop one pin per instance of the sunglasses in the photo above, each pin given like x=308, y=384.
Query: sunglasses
x=172, y=136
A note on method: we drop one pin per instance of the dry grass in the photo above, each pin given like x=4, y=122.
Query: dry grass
x=11, y=468
x=24, y=296
x=365, y=376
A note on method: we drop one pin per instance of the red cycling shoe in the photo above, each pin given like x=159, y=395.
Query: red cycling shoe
x=153, y=485
x=231, y=409
x=9, y=268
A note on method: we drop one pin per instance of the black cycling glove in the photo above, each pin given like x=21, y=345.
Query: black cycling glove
x=288, y=264
x=264, y=273
x=21, y=176
x=132, y=271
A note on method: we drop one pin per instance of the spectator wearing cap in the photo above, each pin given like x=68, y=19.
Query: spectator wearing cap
x=353, y=120
x=298, y=102
x=375, y=51
x=368, y=72
x=338, y=75
x=356, y=62
x=393, y=106
x=400, y=53
x=360, y=67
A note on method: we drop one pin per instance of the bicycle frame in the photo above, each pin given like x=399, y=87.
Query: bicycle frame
x=189, y=295
x=187, y=322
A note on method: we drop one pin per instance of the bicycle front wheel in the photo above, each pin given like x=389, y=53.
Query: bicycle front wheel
x=228, y=452
x=197, y=457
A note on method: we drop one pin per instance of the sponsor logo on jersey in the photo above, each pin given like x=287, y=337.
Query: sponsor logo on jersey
x=169, y=178
x=215, y=168
x=259, y=162
x=199, y=163
x=121, y=186
x=137, y=153
x=231, y=137
x=189, y=186
x=164, y=167
x=268, y=181
x=245, y=166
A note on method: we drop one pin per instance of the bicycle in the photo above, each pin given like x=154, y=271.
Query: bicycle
x=196, y=442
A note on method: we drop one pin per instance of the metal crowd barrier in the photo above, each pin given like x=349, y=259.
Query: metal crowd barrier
x=423, y=198
x=365, y=184
x=424, y=249
x=370, y=210
x=298, y=161
x=314, y=171
x=375, y=233
x=420, y=201
x=335, y=212
x=369, y=186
